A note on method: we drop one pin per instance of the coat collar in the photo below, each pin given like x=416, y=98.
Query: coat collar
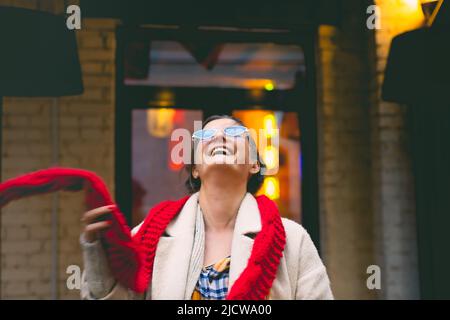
x=248, y=220
x=170, y=270
x=171, y=264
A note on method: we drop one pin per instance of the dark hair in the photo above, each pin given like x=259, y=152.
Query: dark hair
x=255, y=181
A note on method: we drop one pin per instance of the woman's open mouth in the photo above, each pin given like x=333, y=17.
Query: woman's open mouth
x=220, y=150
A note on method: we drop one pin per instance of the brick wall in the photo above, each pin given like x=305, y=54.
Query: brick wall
x=393, y=194
x=86, y=140
x=366, y=183
x=344, y=153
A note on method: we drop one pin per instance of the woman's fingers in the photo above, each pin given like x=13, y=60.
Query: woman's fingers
x=96, y=213
x=97, y=226
x=91, y=230
x=94, y=222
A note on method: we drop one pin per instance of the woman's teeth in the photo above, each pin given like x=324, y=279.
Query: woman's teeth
x=220, y=150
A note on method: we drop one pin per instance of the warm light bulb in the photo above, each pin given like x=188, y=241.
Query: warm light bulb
x=271, y=157
x=269, y=125
x=272, y=188
x=160, y=122
x=269, y=86
x=414, y=4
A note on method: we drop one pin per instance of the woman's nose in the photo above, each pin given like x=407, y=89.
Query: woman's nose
x=220, y=136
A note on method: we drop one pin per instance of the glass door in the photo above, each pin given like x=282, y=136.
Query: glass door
x=170, y=83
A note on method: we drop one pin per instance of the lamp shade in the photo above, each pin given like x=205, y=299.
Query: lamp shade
x=38, y=55
x=418, y=66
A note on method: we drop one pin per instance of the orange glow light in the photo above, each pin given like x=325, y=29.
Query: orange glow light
x=160, y=122
x=271, y=157
x=269, y=125
x=413, y=4
x=271, y=188
x=269, y=86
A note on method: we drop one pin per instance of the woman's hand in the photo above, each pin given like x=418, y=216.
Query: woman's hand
x=96, y=221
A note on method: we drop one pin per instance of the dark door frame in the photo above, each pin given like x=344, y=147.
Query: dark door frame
x=429, y=138
x=305, y=37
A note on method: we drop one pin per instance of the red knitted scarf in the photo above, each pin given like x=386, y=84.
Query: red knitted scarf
x=131, y=257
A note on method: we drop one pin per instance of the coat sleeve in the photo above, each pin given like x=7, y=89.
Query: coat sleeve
x=97, y=282
x=312, y=279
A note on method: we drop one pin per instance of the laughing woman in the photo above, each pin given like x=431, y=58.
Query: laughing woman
x=225, y=243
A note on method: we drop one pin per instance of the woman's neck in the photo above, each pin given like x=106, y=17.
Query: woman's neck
x=220, y=202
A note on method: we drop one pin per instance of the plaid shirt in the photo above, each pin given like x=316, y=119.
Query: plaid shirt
x=213, y=281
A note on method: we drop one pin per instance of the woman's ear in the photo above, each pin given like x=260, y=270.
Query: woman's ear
x=255, y=168
x=195, y=173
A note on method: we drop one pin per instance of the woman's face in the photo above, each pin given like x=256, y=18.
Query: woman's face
x=223, y=150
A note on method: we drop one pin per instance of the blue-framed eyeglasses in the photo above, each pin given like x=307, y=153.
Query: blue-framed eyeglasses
x=207, y=134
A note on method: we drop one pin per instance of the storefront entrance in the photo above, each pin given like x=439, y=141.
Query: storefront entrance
x=167, y=79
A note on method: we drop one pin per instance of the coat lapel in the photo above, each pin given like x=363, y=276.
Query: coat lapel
x=248, y=222
x=171, y=265
x=170, y=270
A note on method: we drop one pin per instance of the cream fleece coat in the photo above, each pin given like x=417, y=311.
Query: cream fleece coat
x=179, y=257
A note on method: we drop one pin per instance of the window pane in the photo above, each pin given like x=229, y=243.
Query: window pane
x=284, y=187
x=155, y=177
